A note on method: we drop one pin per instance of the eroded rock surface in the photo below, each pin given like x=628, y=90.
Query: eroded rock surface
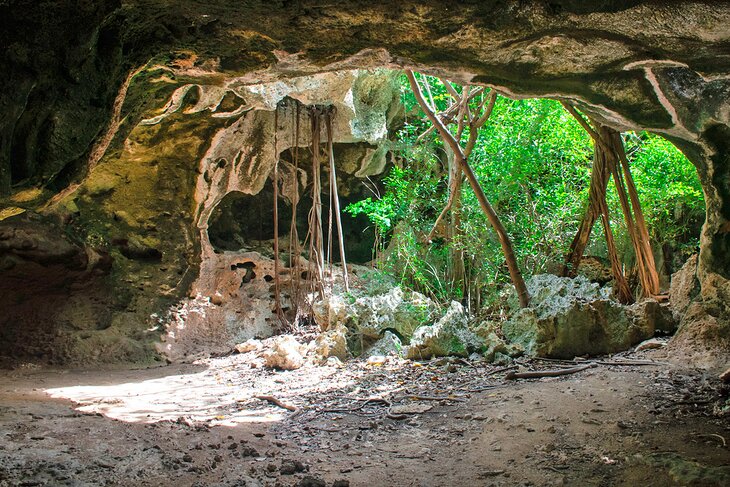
x=368, y=318
x=574, y=317
x=684, y=287
x=285, y=353
x=449, y=336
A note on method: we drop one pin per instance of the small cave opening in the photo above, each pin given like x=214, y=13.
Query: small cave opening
x=244, y=221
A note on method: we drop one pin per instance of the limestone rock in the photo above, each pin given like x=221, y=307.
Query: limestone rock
x=449, y=336
x=684, y=286
x=411, y=408
x=250, y=345
x=595, y=269
x=572, y=317
x=332, y=343
x=651, y=314
x=370, y=316
x=331, y=311
x=284, y=353
x=651, y=344
x=390, y=344
x=497, y=347
x=217, y=299
x=333, y=362
x=375, y=360
x=703, y=338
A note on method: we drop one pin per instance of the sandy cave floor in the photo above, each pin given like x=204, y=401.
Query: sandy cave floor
x=447, y=422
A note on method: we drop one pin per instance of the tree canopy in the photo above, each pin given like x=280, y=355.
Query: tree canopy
x=533, y=161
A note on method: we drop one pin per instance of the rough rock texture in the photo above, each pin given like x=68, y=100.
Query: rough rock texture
x=285, y=353
x=684, y=287
x=449, y=336
x=653, y=315
x=56, y=299
x=176, y=152
x=250, y=345
x=573, y=317
x=72, y=95
x=369, y=317
x=332, y=343
x=390, y=344
x=595, y=269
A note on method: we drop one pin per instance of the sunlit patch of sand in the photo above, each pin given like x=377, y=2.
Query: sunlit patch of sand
x=222, y=394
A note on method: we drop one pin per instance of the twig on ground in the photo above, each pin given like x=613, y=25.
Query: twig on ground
x=277, y=402
x=622, y=362
x=500, y=370
x=534, y=374
x=555, y=360
x=434, y=398
x=481, y=389
x=465, y=362
x=365, y=402
x=713, y=435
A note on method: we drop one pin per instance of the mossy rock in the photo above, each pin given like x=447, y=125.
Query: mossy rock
x=449, y=336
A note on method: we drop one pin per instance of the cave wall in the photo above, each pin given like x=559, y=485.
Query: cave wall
x=79, y=77
x=240, y=159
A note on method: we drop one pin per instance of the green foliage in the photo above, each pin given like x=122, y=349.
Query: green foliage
x=534, y=163
x=670, y=191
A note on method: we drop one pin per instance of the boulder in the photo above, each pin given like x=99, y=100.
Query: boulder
x=573, y=317
x=649, y=313
x=250, y=345
x=284, y=353
x=332, y=343
x=496, y=347
x=650, y=344
x=449, y=336
x=684, y=287
x=371, y=316
x=390, y=344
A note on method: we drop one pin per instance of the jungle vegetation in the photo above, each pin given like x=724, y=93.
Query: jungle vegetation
x=533, y=161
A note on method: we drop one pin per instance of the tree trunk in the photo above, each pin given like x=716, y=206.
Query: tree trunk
x=491, y=215
x=635, y=222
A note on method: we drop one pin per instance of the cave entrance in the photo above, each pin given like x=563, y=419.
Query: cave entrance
x=246, y=222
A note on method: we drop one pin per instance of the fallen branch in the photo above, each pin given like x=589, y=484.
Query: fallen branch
x=500, y=370
x=277, y=402
x=555, y=360
x=481, y=389
x=365, y=402
x=623, y=362
x=715, y=436
x=390, y=415
x=435, y=398
x=535, y=374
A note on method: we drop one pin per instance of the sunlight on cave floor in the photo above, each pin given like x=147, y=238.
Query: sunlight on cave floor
x=224, y=393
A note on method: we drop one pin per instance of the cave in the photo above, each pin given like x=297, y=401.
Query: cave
x=161, y=325
x=245, y=221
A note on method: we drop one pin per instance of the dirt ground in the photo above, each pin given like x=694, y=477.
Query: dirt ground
x=440, y=423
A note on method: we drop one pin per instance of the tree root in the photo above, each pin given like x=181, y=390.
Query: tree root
x=277, y=402
x=535, y=374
